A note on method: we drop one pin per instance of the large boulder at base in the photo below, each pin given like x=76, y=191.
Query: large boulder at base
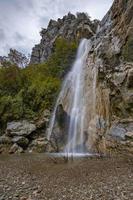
x=120, y=137
x=21, y=141
x=122, y=131
x=59, y=134
x=20, y=128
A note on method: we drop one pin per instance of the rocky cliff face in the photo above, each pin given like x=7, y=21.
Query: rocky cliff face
x=70, y=27
x=15, y=58
x=110, y=61
x=108, y=90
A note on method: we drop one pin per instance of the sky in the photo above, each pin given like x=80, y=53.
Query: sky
x=22, y=20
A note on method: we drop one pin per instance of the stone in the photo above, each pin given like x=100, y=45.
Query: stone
x=20, y=128
x=60, y=130
x=5, y=140
x=129, y=135
x=21, y=141
x=50, y=148
x=15, y=149
x=61, y=116
x=118, y=77
x=118, y=132
x=38, y=145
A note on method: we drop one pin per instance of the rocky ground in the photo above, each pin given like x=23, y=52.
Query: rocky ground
x=37, y=177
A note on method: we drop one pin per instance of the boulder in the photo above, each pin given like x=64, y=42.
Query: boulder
x=38, y=145
x=60, y=129
x=129, y=135
x=15, y=148
x=20, y=128
x=21, y=141
x=118, y=132
x=5, y=140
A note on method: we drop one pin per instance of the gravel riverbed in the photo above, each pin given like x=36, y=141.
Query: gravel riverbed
x=38, y=177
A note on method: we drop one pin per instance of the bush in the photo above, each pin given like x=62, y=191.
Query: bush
x=10, y=79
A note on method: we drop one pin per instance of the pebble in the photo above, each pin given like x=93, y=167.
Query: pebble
x=85, y=180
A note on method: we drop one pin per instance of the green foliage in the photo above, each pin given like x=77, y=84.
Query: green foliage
x=10, y=79
x=26, y=92
x=63, y=56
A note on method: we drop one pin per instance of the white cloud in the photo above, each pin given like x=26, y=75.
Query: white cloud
x=21, y=20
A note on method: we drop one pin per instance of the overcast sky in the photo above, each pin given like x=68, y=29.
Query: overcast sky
x=21, y=20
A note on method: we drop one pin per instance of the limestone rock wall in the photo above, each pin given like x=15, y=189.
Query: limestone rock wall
x=111, y=124
x=70, y=27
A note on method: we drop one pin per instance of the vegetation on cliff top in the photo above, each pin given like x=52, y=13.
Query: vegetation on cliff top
x=26, y=92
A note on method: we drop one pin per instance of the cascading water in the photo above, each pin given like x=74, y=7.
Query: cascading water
x=75, y=106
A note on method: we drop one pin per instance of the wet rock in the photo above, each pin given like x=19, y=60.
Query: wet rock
x=20, y=128
x=61, y=116
x=60, y=130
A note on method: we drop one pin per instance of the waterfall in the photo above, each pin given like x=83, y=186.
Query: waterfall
x=73, y=91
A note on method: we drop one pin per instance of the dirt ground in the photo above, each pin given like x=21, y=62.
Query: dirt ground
x=38, y=177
